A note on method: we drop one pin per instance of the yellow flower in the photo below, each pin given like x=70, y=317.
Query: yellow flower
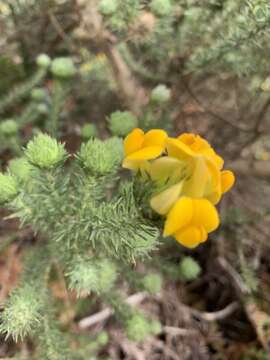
x=193, y=169
x=140, y=147
x=190, y=221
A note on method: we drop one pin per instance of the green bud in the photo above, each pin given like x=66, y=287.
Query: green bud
x=88, y=131
x=189, y=268
x=161, y=7
x=63, y=67
x=42, y=109
x=152, y=283
x=160, y=94
x=20, y=168
x=8, y=188
x=9, y=127
x=137, y=327
x=101, y=157
x=45, y=152
x=108, y=7
x=122, y=122
x=107, y=274
x=39, y=94
x=155, y=327
x=43, y=61
x=103, y=338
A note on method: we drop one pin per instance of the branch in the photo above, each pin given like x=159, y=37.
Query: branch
x=93, y=30
x=106, y=313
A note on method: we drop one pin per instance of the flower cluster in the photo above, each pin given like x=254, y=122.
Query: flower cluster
x=188, y=181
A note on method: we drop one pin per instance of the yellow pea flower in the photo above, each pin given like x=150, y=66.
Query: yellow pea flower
x=190, y=220
x=141, y=147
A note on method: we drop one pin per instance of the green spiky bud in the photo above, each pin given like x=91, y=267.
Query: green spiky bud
x=152, y=283
x=189, y=268
x=155, y=327
x=122, y=122
x=108, y=7
x=45, y=152
x=102, y=338
x=137, y=327
x=160, y=94
x=20, y=168
x=8, y=187
x=101, y=157
x=161, y=7
x=42, y=109
x=63, y=67
x=39, y=94
x=9, y=127
x=88, y=131
x=83, y=276
x=43, y=61
x=107, y=274
x=22, y=312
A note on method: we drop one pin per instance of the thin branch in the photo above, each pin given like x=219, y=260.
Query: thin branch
x=106, y=313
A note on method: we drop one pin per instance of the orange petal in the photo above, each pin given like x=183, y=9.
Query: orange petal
x=227, y=180
x=179, y=216
x=190, y=236
x=205, y=215
x=133, y=142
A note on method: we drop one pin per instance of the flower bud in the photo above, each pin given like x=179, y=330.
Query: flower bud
x=101, y=157
x=160, y=94
x=8, y=188
x=45, y=152
x=9, y=127
x=42, y=109
x=107, y=274
x=137, y=327
x=20, y=168
x=39, y=94
x=161, y=7
x=88, y=131
x=108, y=7
x=152, y=283
x=63, y=67
x=43, y=61
x=189, y=268
x=122, y=122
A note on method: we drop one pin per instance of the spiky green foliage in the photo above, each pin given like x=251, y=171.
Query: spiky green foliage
x=161, y=7
x=97, y=275
x=138, y=327
x=9, y=127
x=45, y=152
x=8, y=187
x=122, y=122
x=20, y=168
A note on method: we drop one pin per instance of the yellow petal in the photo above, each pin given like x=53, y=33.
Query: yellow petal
x=227, y=180
x=133, y=142
x=179, y=216
x=155, y=137
x=205, y=215
x=190, y=236
x=147, y=153
x=163, y=202
x=215, y=196
x=194, y=142
x=204, y=234
x=178, y=149
x=166, y=168
x=196, y=185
